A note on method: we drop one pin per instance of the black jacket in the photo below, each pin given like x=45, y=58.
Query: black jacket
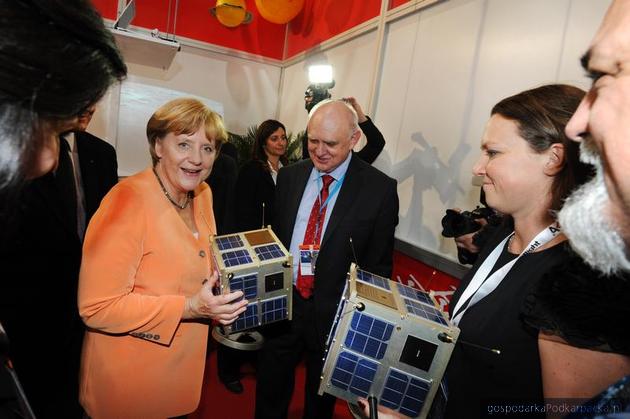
x=366, y=210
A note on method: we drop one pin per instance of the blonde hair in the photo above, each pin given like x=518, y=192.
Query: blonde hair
x=184, y=116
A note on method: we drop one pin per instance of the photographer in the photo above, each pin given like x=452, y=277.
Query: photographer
x=471, y=229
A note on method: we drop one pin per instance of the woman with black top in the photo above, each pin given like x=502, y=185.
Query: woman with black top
x=528, y=167
x=254, y=197
x=256, y=184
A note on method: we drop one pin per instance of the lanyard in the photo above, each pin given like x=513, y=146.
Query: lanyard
x=332, y=193
x=479, y=287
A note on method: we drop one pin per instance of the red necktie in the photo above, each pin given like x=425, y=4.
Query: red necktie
x=313, y=234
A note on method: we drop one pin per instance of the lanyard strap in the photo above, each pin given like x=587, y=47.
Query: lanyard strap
x=332, y=193
x=481, y=285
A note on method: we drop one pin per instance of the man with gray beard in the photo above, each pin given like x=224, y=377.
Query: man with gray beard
x=595, y=218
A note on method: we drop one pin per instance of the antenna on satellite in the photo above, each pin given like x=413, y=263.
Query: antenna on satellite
x=354, y=255
x=263, y=215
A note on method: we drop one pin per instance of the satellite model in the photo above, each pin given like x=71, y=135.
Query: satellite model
x=389, y=342
x=256, y=263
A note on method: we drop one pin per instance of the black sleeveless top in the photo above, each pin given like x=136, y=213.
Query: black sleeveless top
x=478, y=379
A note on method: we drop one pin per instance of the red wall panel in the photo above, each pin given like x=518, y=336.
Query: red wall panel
x=416, y=274
x=195, y=21
x=323, y=19
x=395, y=3
x=107, y=8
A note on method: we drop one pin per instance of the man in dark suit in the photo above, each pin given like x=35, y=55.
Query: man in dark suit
x=40, y=258
x=339, y=203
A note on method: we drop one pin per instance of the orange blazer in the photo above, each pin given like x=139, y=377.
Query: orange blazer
x=140, y=260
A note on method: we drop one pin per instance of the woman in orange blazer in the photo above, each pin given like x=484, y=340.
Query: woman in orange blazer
x=145, y=288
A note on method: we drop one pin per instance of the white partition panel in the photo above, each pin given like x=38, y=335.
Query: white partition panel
x=247, y=90
x=444, y=68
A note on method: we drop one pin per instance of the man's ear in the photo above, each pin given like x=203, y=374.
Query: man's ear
x=555, y=159
x=356, y=136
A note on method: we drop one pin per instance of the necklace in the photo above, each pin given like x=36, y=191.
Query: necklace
x=168, y=196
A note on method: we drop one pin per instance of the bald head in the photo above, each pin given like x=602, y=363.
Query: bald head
x=333, y=131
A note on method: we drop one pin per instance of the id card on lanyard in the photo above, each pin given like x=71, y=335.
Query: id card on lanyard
x=481, y=284
x=310, y=251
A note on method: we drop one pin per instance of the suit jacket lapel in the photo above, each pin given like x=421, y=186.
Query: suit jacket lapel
x=297, y=190
x=89, y=175
x=347, y=193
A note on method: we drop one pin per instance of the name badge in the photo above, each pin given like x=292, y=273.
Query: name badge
x=308, y=258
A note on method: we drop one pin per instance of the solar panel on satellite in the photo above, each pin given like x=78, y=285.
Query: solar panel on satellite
x=229, y=242
x=368, y=335
x=425, y=311
x=414, y=294
x=274, y=309
x=354, y=373
x=269, y=251
x=404, y=393
x=247, y=319
x=248, y=284
x=373, y=279
x=236, y=258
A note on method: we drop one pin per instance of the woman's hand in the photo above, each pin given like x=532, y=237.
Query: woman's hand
x=205, y=304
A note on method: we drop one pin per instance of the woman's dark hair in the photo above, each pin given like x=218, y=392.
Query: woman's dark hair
x=264, y=131
x=56, y=60
x=541, y=115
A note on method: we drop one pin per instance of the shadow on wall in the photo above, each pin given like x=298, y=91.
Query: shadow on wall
x=424, y=168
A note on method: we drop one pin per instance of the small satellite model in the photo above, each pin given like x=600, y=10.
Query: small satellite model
x=388, y=341
x=256, y=263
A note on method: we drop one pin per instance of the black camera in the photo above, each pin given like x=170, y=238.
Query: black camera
x=455, y=224
x=315, y=93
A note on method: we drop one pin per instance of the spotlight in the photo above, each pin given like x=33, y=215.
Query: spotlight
x=321, y=79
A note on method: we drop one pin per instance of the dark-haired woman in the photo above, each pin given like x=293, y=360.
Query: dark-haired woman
x=528, y=167
x=254, y=208
x=256, y=184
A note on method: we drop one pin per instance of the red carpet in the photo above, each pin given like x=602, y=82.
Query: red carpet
x=217, y=402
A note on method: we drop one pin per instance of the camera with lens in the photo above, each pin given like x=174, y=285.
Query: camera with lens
x=455, y=224
x=315, y=93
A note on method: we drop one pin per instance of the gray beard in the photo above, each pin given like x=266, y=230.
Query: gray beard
x=586, y=221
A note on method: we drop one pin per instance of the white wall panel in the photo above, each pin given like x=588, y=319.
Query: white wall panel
x=247, y=90
x=443, y=69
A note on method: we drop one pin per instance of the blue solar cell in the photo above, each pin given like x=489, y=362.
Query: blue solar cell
x=248, y=284
x=379, y=281
x=368, y=335
x=425, y=311
x=248, y=319
x=229, y=242
x=268, y=251
x=354, y=373
x=274, y=309
x=414, y=294
x=236, y=258
x=404, y=393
